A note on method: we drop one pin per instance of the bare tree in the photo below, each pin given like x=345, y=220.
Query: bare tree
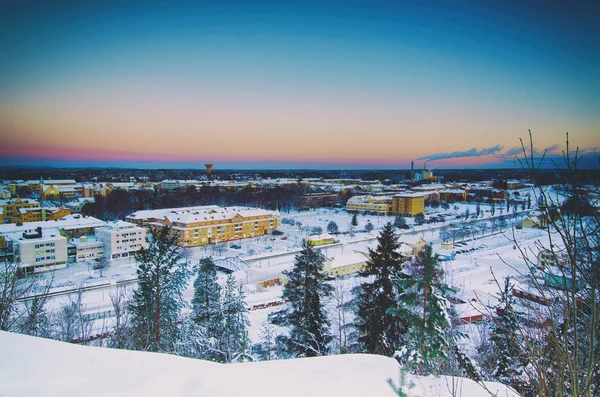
x=119, y=336
x=559, y=334
x=13, y=289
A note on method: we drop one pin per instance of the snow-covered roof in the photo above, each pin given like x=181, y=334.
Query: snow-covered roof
x=322, y=236
x=200, y=214
x=348, y=259
x=68, y=222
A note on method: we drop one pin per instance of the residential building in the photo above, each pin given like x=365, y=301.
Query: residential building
x=313, y=200
x=381, y=205
x=11, y=208
x=203, y=225
x=408, y=204
x=453, y=195
x=121, y=239
x=54, y=192
x=76, y=205
x=39, y=250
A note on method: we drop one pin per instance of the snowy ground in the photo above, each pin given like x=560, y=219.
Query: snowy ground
x=40, y=367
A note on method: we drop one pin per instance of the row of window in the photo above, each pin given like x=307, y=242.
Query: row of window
x=43, y=258
x=44, y=245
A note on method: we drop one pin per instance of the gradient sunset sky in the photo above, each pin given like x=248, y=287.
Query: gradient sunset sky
x=288, y=84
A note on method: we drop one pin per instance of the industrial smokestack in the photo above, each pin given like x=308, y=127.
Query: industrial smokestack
x=425, y=165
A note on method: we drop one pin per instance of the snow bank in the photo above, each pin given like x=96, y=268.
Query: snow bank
x=34, y=367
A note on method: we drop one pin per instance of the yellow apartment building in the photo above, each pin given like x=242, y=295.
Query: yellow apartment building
x=11, y=209
x=408, y=204
x=196, y=226
x=374, y=204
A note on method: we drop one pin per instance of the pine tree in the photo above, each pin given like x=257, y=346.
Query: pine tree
x=379, y=331
x=354, y=220
x=506, y=361
x=206, y=309
x=236, y=344
x=305, y=314
x=157, y=302
x=424, y=306
x=266, y=348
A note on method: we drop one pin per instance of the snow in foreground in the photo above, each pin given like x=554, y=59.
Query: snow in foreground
x=34, y=367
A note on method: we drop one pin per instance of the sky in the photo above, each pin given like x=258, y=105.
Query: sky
x=289, y=84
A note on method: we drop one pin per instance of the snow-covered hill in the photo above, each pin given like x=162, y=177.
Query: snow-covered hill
x=32, y=366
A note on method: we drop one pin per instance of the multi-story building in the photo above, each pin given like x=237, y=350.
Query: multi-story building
x=195, y=226
x=453, y=195
x=313, y=200
x=408, y=204
x=121, y=239
x=71, y=226
x=86, y=249
x=39, y=250
x=373, y=204
x=11, y=208
x=53, y=192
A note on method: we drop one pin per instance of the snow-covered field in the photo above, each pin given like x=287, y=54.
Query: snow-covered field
x=40, y=367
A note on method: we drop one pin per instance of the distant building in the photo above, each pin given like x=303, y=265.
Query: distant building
x=381, y=205
x=313, y=200
x=12, y=208
x=405, y=204
x=514, y=184
x=453, y=195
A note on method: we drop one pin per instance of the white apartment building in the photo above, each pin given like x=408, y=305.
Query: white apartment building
x=40, y=251
x=121, y=239
x=87, y=248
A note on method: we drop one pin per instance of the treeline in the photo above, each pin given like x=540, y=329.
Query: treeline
x=119, y=203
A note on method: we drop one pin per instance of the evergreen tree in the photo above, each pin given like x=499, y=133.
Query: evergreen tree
x=157, y=302
x=354, y=220
x=266, y=348
x=332, y=227
x=400, y=222
x=505, y=363
x=236, y=344
x=305, y=314
x=379, y=331
x=424, y=306
x=206, y=309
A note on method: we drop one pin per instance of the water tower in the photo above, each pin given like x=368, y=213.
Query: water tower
x=208, y=168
